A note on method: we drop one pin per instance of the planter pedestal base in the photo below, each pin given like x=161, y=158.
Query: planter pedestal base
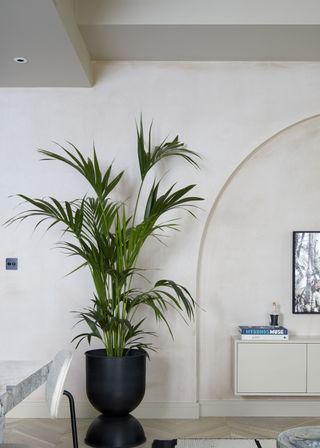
x=115, y=432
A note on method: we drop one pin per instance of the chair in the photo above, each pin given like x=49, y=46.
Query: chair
x=54, y=391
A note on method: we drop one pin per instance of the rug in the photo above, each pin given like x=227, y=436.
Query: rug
x=215, y=443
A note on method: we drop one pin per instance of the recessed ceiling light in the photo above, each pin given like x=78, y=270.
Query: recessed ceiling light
x=20, y=60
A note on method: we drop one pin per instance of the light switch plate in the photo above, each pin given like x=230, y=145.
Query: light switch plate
x=11, y=264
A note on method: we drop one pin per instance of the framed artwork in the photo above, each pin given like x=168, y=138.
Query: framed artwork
x=306, y=273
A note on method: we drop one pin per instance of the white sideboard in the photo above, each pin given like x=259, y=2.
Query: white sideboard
x=289, y=368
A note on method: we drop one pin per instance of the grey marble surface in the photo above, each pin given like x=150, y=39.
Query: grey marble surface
x=301, y=437
x=17, y=380
x=1, y=429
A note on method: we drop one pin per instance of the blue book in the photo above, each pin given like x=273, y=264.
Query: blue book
x=262, y=329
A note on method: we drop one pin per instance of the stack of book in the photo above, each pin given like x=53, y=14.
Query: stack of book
x=263, y=333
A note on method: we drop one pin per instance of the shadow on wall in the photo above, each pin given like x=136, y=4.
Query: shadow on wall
x=246, y=255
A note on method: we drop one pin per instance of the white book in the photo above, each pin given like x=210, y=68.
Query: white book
x=264, y=337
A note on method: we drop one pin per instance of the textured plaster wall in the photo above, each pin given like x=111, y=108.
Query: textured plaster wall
x=246, y=263
x=224, y=111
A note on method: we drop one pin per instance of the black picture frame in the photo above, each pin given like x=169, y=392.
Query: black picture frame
x=306, y=272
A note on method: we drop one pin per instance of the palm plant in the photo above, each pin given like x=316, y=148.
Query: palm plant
x=109, y=241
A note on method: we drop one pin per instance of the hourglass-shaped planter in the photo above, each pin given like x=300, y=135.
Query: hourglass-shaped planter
x=115, y=387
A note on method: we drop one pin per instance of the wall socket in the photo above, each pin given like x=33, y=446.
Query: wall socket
x=11, y=264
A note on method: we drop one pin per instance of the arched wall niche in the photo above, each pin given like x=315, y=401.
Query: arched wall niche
x=245, y=260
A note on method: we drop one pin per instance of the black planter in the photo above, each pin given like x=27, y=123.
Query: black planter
x=115, y=387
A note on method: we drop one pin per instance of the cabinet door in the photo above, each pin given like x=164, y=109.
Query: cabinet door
x=313, y=376
x=271, y=368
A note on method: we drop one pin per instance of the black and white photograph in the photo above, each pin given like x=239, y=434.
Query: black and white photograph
x=306, y=272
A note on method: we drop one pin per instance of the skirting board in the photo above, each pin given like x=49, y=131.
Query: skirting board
x=213, y=408
x=38, y=409
x=260, y=408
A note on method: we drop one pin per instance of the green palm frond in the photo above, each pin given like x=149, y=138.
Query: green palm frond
x=89, y=168
x=108, y=240
x=149, y=156
x=164, y=294
x=157, y=206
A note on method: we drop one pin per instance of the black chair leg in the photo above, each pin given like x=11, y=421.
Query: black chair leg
x=73, y=418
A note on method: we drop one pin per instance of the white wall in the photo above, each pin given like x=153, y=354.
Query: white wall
x=246, y=261
x=224, y=111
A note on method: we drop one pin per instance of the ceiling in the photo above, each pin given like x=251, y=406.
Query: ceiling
x=60, y=38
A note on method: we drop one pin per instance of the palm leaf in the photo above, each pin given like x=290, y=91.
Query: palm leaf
x=102, y=183
x=149, y=156
x=108, y=240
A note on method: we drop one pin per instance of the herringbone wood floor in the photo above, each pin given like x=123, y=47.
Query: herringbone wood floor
x=43, y=433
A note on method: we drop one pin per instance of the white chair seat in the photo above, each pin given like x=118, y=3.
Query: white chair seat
x=56, y=379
